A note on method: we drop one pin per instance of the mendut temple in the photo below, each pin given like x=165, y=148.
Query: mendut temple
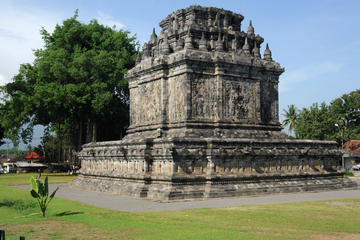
x=204, y=120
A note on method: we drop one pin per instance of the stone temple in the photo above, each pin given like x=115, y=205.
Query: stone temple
x=204, y=120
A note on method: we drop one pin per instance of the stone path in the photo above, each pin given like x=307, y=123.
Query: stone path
x=123, y=203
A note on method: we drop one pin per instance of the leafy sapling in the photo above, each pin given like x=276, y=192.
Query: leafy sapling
x=40, y=191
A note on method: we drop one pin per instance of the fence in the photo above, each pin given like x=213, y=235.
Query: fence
x=2, y=235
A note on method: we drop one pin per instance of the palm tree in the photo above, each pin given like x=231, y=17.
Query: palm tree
x=291, y=115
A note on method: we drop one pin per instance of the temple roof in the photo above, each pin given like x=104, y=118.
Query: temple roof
x=200, y=33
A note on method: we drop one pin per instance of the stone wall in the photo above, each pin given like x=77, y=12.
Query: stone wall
x=210, y=158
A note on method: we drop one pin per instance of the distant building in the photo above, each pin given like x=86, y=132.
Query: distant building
x=33, y=157
x=351, y=153
x=22, y=163
x=30, y=167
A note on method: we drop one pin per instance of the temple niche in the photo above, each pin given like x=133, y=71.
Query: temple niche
x=204, y=120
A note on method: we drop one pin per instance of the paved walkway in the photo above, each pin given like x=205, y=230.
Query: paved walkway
x=129, y=204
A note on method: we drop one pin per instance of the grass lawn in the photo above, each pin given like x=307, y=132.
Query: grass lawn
x=19, y=215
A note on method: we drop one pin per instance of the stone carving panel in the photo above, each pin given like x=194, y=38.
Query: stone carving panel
x=204, y=98
x=269, y=96
x=134, y=117
x=176, y=108
x=149, y=106
x=239, y=100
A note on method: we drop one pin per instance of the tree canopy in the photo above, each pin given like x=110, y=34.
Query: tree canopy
x=75, y=86
x=340, y=120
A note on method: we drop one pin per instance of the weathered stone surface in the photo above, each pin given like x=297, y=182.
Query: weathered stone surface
x=204, y=120
x=203, y=76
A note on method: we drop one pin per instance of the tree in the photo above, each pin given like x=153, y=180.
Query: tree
x=315, y=123
x=340, y=120
x=75, y=86
x=290, y=117
x=346, y=114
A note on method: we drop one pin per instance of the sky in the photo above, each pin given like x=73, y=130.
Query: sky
x=317, y=42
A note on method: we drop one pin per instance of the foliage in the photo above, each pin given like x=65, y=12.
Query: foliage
x=346, y=113
x=316, y=123
x=339, y=121
x=75, y=85
x=290, y=117
x=40, y=191
x=18, y=204
x=14, y=150
x=348, y=174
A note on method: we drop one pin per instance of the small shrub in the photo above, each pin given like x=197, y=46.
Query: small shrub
x=40, y=191
x=348, y=174
x=17, y=204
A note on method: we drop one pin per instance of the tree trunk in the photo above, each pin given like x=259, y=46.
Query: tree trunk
x=60, y=144
x=94, y=131
x=91, y=131
x=80, y=136
x=88, y=131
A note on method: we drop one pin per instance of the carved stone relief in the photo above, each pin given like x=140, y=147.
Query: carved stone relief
x=204, y=98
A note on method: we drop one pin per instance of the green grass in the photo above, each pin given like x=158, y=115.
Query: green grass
x=337, y=219
x=24, y=178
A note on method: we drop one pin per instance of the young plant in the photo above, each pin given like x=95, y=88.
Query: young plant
x=40, y=191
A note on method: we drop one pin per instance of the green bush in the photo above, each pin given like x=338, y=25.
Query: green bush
x=40, y=191
x=20, y=205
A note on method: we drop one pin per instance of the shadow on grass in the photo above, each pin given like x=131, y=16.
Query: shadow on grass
x=68, y=213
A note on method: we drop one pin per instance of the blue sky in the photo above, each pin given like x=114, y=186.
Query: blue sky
x=318, y=42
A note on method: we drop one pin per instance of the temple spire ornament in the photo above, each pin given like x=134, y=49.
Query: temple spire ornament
x=138, y=57
x=234, y=44
x=246, y=47
x=179, y=44
x=212, y=42
x=267, y=53
x=146, y=50
x=250, y=30
x=188, y=40
x=202, y=43
x=256, y=50
x=153, y=37
x=219, y=43
x=165, y=45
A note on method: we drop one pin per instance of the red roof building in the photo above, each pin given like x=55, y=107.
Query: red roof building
x=33, y=156
x=352, y=147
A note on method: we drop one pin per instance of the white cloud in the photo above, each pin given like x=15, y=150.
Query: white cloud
x=20, y=26
x=2, y=80
x=307, y=73
x=109, y=20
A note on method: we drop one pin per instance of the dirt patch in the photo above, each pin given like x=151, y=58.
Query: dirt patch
x=335, y=236
x=291, y=233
